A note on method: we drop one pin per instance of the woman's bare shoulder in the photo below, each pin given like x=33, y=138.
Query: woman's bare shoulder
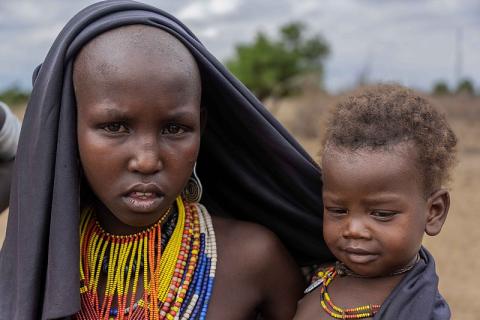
x=248, y=240
x=252, y=259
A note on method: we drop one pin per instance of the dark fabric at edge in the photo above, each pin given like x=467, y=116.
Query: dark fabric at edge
x=416, y=296
x=250, y=166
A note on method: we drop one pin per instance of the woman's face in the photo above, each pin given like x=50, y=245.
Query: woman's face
x=138, y=128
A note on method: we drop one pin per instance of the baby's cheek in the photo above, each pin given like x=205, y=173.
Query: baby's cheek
x=331, y=231
x=401, y=243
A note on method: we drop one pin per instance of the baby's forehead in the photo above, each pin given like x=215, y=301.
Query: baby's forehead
x=405, y=149
x=376, y=169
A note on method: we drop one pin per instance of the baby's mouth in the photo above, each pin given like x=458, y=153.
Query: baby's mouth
x=359, y=255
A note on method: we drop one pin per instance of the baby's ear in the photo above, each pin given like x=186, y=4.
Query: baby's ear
x=438, y=205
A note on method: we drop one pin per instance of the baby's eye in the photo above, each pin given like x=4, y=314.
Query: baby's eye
x=383, y=215
x=336, y=211
x=115, y=127
x=173, y=128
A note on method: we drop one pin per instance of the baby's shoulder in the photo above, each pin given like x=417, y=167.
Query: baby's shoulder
x=309, y=306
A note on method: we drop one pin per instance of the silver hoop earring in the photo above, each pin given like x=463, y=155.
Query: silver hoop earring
x=193, y=190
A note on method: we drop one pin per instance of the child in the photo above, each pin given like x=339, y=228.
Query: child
x=386, y=156
x=105, y=220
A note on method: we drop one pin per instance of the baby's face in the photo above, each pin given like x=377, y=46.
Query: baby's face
x=374, y=209
x=138, y=128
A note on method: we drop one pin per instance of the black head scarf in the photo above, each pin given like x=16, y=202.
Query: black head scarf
x=251, y=169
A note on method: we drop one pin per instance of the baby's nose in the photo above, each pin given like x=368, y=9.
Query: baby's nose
x=356, y=228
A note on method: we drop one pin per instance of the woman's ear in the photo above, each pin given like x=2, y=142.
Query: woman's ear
x=438, y=205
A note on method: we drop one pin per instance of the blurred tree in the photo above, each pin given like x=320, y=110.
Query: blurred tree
x=14, y=96
x=465, y=86
x=440, y=88
x=272, y=68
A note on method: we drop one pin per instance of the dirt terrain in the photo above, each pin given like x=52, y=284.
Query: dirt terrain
x=457, y=248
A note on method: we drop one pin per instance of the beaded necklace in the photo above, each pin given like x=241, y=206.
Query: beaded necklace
x=177, y=281
x=323, y=279
x=366, y=311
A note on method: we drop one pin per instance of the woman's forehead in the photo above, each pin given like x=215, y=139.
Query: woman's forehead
x=148, y=39
x=134, y=45
x=135, y=56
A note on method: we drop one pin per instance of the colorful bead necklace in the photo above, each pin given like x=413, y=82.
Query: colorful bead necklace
x=168, y=223
x=177, y=281
x=366, y=311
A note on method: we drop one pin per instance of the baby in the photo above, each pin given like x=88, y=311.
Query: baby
x=386, y=157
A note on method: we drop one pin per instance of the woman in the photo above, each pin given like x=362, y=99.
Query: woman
x=249, y=166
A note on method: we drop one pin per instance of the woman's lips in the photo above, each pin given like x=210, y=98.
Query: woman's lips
x=142, y=201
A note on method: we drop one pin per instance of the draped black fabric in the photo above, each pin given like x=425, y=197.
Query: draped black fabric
x=5, y=177
x=251, y=168
x=416, y=296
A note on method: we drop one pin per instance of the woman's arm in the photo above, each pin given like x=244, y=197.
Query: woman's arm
x=255, y=274
x=282, y=280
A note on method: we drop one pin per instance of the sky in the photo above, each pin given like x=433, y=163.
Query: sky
x=412, y=42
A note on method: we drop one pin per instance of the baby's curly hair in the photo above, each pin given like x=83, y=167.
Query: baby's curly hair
x=386, y=115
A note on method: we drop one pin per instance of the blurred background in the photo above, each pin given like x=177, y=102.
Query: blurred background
x=300, y=58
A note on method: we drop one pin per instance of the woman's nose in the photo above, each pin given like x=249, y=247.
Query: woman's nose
x=145, y=159
x=356, y=228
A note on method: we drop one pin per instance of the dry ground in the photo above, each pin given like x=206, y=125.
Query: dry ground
x=457, y=246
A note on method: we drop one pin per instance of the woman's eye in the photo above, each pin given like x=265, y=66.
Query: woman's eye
x=115, y=127
x=336, y=211
x=383, y=215
x=173, y=129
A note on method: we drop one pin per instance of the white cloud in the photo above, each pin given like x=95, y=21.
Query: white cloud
x=209, y=33
x=21, y=10
x=199, y=10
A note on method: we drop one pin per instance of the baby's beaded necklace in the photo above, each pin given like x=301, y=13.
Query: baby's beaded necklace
x=336, y=312
x=177, y=283
x=366, y=311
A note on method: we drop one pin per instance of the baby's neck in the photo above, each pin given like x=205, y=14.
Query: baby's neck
x=342, y=270
x=383, y=283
